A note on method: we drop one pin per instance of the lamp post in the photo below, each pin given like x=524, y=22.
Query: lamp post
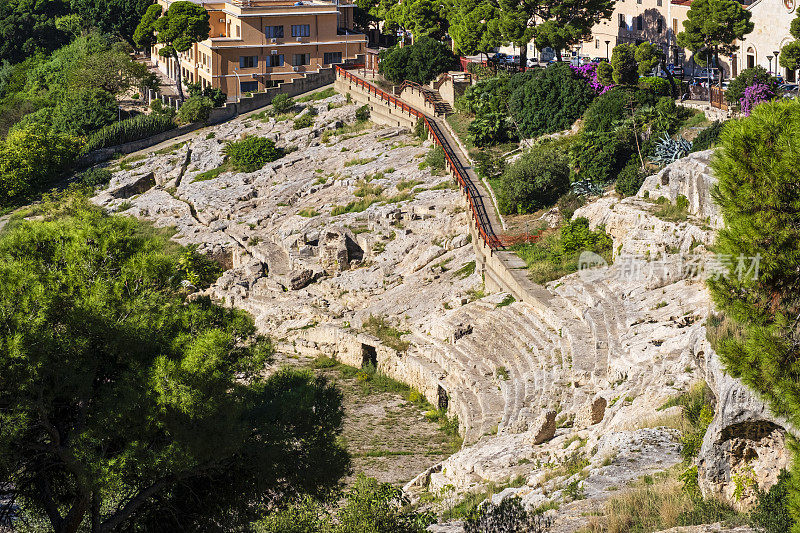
x=239, y=86
x=777, y=53
x=607, y=43
x=769, y=58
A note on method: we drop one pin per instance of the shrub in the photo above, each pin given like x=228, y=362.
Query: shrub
x=735, y=91
x=486, y=96
x=362, y=113
x=548, y=100
x=252, y=153
x=84, y=111
x=771, y=513
x=94, y=176
x=195, y=109
x=631, y=178
x=435, y=159
x=379, y=508
x=218, y=98
x=282, y=103
x=708, y=137
x=31, y=159
x=657, y=85
x=623, y=60
x=534, y=181
x=158, y=107
x=613, y=106
x=132, y=129
x=508, y=516
x=489, y=129
x=305, y=121
x=558, y=254
x=420, y=62
x=599, y=157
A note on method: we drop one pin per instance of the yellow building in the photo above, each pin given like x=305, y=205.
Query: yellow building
x=257, y=44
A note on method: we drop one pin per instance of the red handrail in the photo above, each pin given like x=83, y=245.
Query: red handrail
x=489, y=238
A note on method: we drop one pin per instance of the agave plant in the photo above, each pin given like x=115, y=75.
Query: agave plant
x=668, y=150
x=586, y=188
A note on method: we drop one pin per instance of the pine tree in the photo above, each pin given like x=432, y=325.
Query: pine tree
x=758, y=338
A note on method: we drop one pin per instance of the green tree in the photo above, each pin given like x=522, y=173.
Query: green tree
x=756, y=338
x=420, y=17
x=28, y=27
x=548, y=100
x=650, y=57
x=623, y=61
x=85, y=111
x=111, y=70
x=420, y=62
x=474, y=26
x=567, y=21
x=127, y=406
x=790, y=53
x=115, y=17
x=31, y=158
x=178, y=28
x=712, y=26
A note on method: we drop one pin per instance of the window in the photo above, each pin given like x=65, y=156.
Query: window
x=659, y=26
x=639, y=22
x=659, y=3
x=301, y=59
x=248, y=86
x=273, y=32
x=790, y=76
x=621, y=20
x=675, y=26
x=238, y=31
x=597, y=43
x=275, y=60
x=301, y=30
x=248, y=61
x=331, y=58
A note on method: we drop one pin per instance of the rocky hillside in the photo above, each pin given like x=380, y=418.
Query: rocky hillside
x=559, y=401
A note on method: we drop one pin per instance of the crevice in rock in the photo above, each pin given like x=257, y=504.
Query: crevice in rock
x=183, y=169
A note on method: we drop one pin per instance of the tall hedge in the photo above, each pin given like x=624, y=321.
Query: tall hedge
x=758, y=195
x=548, y=100
x=132, y=129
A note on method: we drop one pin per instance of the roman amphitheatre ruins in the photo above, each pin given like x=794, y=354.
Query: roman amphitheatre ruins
x=558, y=390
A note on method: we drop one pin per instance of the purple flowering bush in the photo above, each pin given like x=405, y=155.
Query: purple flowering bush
x=589, y=73
x=754, y=95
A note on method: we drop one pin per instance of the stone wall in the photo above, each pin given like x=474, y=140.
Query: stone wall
x=380, y=111
x=309, y=82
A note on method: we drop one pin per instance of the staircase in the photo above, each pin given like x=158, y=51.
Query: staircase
x=439, y=105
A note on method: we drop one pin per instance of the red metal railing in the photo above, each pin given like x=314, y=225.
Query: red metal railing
x=478, y=209
x=438, y=106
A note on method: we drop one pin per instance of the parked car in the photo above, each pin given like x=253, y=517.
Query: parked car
x=788, y=90
x=512, y=60
x=533, y=62
x=704, y=73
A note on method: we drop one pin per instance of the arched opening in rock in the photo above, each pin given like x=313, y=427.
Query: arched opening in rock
x=369, y=356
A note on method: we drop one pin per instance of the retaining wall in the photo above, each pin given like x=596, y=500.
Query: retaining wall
x=309, y=82
x=380, y=111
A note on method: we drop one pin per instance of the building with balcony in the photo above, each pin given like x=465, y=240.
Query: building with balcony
x=257, y=44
